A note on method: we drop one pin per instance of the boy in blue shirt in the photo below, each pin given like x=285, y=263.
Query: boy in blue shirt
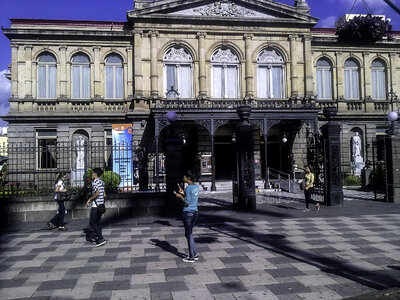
x=190, y=213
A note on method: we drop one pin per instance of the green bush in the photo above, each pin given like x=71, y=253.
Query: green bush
x=352, y=181
x=111, y=179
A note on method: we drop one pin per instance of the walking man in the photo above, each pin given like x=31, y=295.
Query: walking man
x=97, y=197
x=190, y=213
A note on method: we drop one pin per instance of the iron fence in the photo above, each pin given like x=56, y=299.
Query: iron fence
x=30, y=169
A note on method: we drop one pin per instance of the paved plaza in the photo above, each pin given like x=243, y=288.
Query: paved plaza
x=276, y=252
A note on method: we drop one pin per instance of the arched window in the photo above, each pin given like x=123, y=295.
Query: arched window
x=324, y=79
x=351, y=79
x=270, y=74
x=47, y=76
x=114, y=77
x=80, y=76
x=378, y=72
x=224, y=74
x=178, y=72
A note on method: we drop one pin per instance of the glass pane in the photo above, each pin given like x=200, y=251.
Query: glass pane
x=381, y=85
x=232, y=82
x=217, y=81
x=320, y=88
x=323, y=62
x=81, y=58
x=76, y=87
x=262, y=82
x=52, y=81
x=185, y=87
x=85, y=82
x=109, y=82
x=171, y=80
x=355, y=86
x=114, y=59
x=42, y=81
x=327, y=84
x=378, y=64
x=350, y=63
x=119, y=83
x=374, y=83
x=276, y=73
x=347, y=84
x=47, y=57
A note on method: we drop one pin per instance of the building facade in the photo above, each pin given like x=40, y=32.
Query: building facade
x=200, y=59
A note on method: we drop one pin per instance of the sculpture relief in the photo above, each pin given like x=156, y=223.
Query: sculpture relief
x=224, y=9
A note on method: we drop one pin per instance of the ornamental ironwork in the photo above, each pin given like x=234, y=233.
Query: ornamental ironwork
x=224, y=9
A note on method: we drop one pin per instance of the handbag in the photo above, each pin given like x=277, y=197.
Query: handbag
x=101, y=208
x=63, y=196
x=302, y=185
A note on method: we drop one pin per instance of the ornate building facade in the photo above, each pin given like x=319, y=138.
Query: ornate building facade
x=201, y=59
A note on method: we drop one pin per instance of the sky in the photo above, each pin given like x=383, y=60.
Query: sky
x=115, y=10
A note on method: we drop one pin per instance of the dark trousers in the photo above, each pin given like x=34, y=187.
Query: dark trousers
x=58, y=219
x=95, y=222
x=307, y=196
x=189, y=220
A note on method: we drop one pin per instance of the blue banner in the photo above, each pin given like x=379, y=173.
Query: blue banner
x=122, y=154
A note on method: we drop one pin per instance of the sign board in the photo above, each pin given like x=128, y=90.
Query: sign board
x=122, y=154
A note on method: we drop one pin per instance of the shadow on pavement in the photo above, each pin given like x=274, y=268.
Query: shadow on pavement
x=167, y=247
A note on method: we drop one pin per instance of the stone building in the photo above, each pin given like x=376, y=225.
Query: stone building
x=78, y=78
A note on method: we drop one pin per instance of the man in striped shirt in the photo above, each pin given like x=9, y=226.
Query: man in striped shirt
x=98, y=195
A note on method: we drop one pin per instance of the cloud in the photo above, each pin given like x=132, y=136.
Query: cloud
x=5, y=93
x=328, y=22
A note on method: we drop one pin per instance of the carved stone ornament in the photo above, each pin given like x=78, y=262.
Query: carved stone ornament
x=177, y=55
x=224, y=56
x=269, y=57
x=224, y=9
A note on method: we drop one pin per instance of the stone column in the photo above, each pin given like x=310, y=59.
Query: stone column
x=309, y=89
x=340, y=75
x=153, y=63
x=137, y=63
x=98, y=90
x=202, y=65
x=362, y=81
x=248, y=66
x=129, y=67
x=63, y=70
x=393, y=60
x=14, y=70
x=28, y=71
x=367, y=76
x=293, y=67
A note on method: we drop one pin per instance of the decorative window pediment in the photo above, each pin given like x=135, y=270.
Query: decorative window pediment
x=269, y=56
x=224, y=56
x=177, y=55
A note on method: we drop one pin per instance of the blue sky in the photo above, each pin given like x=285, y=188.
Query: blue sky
x=115, y=10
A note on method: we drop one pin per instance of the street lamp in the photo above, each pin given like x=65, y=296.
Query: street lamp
x=393, y=116
x=284, y=138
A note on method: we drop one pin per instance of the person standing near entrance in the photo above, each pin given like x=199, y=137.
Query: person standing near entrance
x=58, y=219
x=98, y=195
x=190, y=213
x=308, y=186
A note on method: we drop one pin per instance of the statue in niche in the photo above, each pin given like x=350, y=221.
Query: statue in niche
x=356, y=147
x=80, y=153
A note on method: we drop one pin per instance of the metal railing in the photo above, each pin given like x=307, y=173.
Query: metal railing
x=31, y=168
x=283, y=180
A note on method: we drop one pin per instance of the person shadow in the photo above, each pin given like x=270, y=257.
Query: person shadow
x=167, y=247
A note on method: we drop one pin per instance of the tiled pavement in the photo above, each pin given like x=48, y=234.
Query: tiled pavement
x=277, y=252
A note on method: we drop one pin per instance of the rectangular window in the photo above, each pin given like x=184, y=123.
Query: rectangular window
x=270, y=82
x=378, y=84
x=351, y=81
x=46, y=149
x=324, y=84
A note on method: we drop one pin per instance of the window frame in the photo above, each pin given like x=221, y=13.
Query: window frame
x=224, y=64
x=352, y=70
x=41, y=162
x=324, y=70
x=269, y=59
x=114, y=67
x=81, y=66
x=48, y=77
x=379, y=70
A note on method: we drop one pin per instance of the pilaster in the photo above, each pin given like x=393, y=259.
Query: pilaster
x=153, y=63
x=309, y=89
x=14, y=70
x=293, y=67
x=339, y=74
x=96, y=66
x=63, y=70
x=248, y=66
x=367, y=76
x=202, y=64
x=28, y=71
x=137, y=63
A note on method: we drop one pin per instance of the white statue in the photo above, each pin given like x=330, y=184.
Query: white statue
x=356, y=146
x=80, y=153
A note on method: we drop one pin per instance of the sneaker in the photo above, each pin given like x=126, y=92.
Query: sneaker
x=317, y=206
x=189, y=260
x=93, y=240
x=196, y=257
x=101, y=243
x=306, y=210
x=62, y=228
x=50, y=225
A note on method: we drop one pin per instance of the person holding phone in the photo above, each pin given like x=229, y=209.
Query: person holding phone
x=190, y=213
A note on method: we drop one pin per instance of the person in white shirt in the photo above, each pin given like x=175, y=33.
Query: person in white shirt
x=58, y=219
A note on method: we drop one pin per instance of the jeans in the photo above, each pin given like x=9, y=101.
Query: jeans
x=95, y=222
x=307, y=196
x=58, y=219
x=189, y=220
